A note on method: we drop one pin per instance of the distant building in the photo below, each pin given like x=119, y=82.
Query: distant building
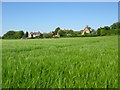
x=34, y=34
x=86, y=30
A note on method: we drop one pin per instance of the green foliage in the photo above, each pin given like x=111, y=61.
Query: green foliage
x=115, y=25
x=62, y=33
x=89, y=28
x=112, y=30
x=106, y=28
x=103, y=32
x=13, y=35
x=60, y=63
x=98, y=31
x=26, y=34
x=41, y=36
x=70, y=32
x=56, y=30
x=118, y=31
x=76, y=33
x=9, y=34
x=85, y=35
x=93, y=31
x=19, y=34
x=53, y=32
x=47, y=35
x=89, y=35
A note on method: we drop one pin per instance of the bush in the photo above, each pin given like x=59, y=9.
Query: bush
x=89, y=35
x=85, y=35
x=103, y=32
x=47, y=35
x=41, y=36
x=62, y=33
x=13, y=35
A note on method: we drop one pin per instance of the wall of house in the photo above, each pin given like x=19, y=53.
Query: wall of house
x=29, y=35
x=34, y=35
x=86, y=30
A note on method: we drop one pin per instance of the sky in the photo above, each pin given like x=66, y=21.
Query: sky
x=60, y=0
x=46, y=16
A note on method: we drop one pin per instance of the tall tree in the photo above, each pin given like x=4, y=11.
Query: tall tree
x=56, y=30
x=115, y=25
x=62, y=33
x=106, y=27
x=98, y=31
x=26, y=35
x=89, y=28
x=21, y=33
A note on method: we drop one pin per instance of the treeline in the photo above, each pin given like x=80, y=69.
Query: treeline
x=114, y=29
x=15, y=35
x=102, y=31
x=66, y=33
x=71, y=33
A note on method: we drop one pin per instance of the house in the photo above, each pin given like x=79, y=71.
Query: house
x=86, y=30
x=33, y=34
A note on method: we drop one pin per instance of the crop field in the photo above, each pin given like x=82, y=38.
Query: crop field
x=86, y=62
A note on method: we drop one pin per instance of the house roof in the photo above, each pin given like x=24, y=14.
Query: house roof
x=86, y=28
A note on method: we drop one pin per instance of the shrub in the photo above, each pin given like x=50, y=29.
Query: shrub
x=89, y=35
x=47, y=35
x=13, y=35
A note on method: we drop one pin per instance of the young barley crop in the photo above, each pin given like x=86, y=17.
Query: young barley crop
x=60, y=63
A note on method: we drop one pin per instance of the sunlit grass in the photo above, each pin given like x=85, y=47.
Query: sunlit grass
x=89, y=62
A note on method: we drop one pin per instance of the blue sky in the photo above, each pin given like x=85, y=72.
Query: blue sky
x=60, y=0
x=46, y=16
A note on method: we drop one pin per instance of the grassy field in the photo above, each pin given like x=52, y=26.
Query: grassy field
x=89, y=62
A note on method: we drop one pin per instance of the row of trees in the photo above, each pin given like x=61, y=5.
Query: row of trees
x=64, y=32
x=102, y=31
x=114, y=29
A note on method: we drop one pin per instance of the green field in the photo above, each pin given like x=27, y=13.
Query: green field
x=87, y=62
